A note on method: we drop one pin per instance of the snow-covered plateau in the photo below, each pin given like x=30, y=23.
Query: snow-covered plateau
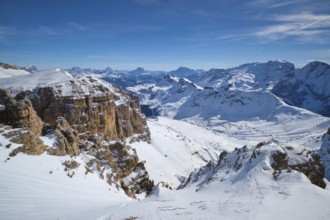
x=218, y=144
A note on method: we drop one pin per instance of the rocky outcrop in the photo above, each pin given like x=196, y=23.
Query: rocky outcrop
x=312, y=168
x=18, y=112
x=127, y=171
x=92, y=114
x=31, y=143
x=83, y=116
x=66, y=139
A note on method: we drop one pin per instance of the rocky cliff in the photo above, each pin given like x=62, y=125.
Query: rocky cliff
x=83, y=115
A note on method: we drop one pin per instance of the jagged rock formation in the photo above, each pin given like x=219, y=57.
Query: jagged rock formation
x=83, y=115
x=30, y=141
x=18, y=112
x=66, y=139
x=128, y=172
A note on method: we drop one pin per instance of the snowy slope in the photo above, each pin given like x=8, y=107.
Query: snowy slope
x=229, y=105
x=241, y=188
x=35, y=80
x=62, y=82
x=254, y=198
x=38, y=187
x=177, y=148
x=7, y=73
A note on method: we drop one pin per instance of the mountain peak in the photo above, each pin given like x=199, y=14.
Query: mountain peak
x=108, y=69
x=31, y=68
x=137, y=71
x=316, y=64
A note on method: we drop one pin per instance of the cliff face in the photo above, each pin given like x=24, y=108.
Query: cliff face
x=90, y=114
x=84, y=115
x=19, y=112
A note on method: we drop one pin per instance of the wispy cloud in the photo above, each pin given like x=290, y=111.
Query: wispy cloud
x=305, y=25
x=272, y=3
x=76, y=26
x=5, y=32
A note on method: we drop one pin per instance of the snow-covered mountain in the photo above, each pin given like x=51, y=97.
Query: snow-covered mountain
x=226, y=144
x=184, y=72
x=166, y=95
x=7, y=70
x=248, y=77
x=308, y=88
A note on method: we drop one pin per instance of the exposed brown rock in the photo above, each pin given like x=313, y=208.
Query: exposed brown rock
x=280, y=161
x=313, y=168
x=70, y=164
x=31, y=143
x=19, y=113
x=96, y=114
x=66, y=139
x=123, y=161
x=139, y=183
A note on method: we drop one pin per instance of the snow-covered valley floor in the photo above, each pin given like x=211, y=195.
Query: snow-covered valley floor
x=37, y=187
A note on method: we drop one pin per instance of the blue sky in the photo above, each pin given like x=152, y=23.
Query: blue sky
x=163, y=34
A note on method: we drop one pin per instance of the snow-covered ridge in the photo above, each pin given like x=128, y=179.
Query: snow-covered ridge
x=7, y=73
x=35, y=80
x=238, y=165
x=248, y=77
x=62, y=82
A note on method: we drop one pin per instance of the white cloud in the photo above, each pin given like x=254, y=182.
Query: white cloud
x=5, y=32
x=302, y=25
x=271, y=3
x=77, y=26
